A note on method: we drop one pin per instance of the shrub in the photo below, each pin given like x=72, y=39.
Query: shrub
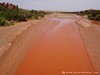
x=92, y=14
x=98, y=18
x=3, y=21
x=7, y=16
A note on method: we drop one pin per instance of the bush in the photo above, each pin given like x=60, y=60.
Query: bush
x=7, y=16
x=3, y=21
x=92, y=14
x=98, y=18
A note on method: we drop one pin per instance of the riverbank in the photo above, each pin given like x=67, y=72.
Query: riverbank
x=8, y=34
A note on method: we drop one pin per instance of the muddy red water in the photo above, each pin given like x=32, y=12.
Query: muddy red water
x=58, y=48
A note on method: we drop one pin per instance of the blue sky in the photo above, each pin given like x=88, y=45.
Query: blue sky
x=60, y=5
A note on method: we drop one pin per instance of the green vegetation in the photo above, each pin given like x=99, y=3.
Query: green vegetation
x=3, y=21
x=7, y=17
x=92, y=14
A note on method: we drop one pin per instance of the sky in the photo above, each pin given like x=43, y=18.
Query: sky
x=56, y=5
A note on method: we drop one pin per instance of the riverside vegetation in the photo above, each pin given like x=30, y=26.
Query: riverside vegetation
x=92, y=14
x=10, y=13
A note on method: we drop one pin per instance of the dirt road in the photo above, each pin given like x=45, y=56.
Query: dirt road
x=57, y=49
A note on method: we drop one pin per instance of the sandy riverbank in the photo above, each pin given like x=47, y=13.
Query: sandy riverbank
x=8, y=34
